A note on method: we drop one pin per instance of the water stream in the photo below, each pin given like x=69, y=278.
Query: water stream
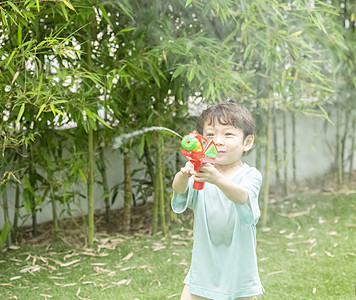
x=119, y=140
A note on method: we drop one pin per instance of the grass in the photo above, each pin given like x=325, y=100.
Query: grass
x=306, y=251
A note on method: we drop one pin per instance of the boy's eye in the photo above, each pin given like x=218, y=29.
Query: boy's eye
x=228, y=134
x=209, y=134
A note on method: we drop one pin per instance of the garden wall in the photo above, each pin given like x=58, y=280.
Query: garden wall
x=315, y=156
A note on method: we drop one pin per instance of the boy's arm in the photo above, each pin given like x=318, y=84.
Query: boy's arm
x=181, y=180
x=235, y=192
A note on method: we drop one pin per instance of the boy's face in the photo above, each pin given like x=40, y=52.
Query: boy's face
x=229, y=141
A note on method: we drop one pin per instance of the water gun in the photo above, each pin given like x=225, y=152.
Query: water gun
x=199, y=151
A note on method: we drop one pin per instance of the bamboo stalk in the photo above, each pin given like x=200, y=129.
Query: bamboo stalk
x=127, y=192
x=91, y=228
x=267, y=166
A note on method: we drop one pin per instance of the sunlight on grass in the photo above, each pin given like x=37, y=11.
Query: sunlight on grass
x=306, y=251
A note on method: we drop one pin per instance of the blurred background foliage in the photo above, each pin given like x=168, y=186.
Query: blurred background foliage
x=77, y=74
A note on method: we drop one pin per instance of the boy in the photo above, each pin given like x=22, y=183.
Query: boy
x=224, y=263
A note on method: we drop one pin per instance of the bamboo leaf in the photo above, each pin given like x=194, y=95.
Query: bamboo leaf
x=67, y=3
x=102, y=121
x=64, y=11
x=11, y=56
x=15, y=8
x=105, y=15
x=40, y=111
x=188, y=2
x=53, y=109
x=38, y=5
x=15, y=77
x=4, y=232
x=19, y=35
x=178, y=71
x=297, y=33
x=19, y=116
x=128, y=29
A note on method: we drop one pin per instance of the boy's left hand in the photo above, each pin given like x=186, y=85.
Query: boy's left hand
x=207, y=173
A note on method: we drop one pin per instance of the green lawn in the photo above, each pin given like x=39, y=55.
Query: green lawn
x=306, y=251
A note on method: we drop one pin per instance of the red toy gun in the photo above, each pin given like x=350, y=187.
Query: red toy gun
x=199, y=151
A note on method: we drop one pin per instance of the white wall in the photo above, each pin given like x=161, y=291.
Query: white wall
x=315, y=154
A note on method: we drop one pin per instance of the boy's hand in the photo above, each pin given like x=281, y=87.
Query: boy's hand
x=207, y=173
x=187, y=169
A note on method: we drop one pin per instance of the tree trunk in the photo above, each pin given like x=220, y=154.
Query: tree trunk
x=275, y=147
x=91, y=228
x=338, y=147
x=353, y=129
x=33, y=204
x=6, y=215
x=160, y=182
x=17, y=211
x=285, y=155
x=267, y=166
x=128, y=192
x=294, y=151
x=54, y=214
x=102, y=169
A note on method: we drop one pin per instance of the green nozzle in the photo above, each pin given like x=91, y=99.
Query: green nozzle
x=189, y=142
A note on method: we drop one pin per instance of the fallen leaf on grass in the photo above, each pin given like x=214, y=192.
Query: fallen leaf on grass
x=181, y=243
x=46, y=296
x=121, y=282
x=102, y=270
x=333, y=233
x=296, y=214
x=171, y=296
x=15, y=278
x=156, y=280
x=70, y=263
x=5, y=284
x=66, y=284
x=274, y=273
x=128, y=256
x=31, y=269
x=329, y=254
x=158, y=247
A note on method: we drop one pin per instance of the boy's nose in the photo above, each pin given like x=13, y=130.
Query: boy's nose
x=218, y=140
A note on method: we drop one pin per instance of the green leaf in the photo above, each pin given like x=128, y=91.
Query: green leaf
x=19, y=35
x=128, y=29
x=102, y=121
x=11, y=56
x=154, y=74
x=53, y=109
x=178, y=71
x=64, y=11
x=40, y=111
x=297, y=33
x=188, y=2
x=67, y=3
x=105, y=15
x=4, y=232
x=15, y=8
x=19, y=116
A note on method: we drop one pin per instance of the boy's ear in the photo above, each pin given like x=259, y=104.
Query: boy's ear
x=248, y=142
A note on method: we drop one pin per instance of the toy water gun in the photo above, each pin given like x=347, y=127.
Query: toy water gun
x=199, y=151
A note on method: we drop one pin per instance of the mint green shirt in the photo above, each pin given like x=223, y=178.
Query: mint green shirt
x=224, y=261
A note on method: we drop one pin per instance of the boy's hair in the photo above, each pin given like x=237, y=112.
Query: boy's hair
x=228, y=113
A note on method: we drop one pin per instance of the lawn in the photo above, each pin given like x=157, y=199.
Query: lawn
x=306, y=251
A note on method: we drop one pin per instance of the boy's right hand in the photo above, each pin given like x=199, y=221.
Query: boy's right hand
x=187, y=169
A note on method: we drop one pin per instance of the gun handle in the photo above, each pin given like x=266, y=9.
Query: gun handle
x=198, y=185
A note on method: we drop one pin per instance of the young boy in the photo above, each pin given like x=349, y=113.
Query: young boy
x=224, y=263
